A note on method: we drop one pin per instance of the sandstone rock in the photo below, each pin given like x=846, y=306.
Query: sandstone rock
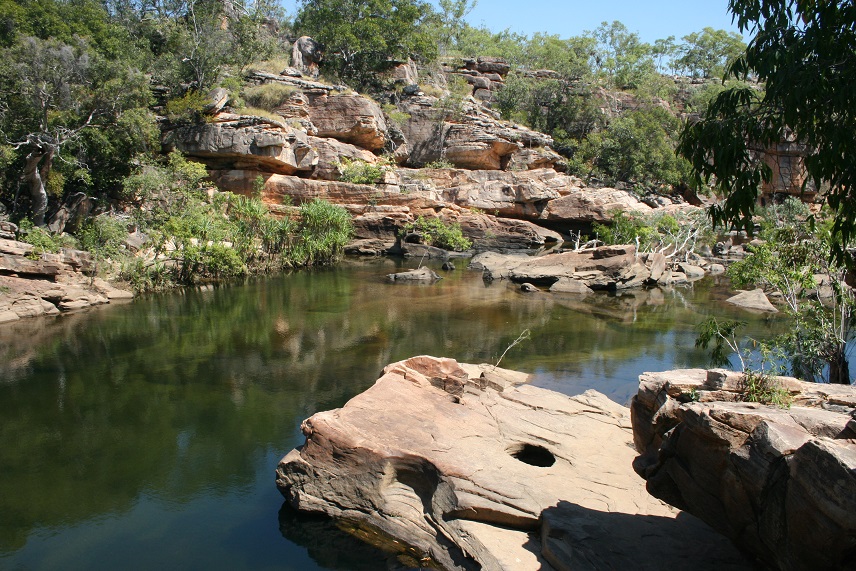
x=10, y=264
x=691, y=271
x=593, y=205
x=548, y=269
x=244, y=142
x=422, y=274
x=259, y=77
x=538, y=158
x=462, y=468
x=367, y=247
x=15, y=248
x=217, y=100
x=528, y=288
x=520, y=194
x=568, y=285
x=781, y=483
x=350, y=118
x=716, y=269
x=7, y=229
x=754, y=300
x=471, y=138
x=658, y=266
x=487, y=231
x=424, y=251
x=306, y=54
x=331, y=151
x=497, y=266
x=670, y=278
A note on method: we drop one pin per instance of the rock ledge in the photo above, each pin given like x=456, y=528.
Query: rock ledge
x=471, y=469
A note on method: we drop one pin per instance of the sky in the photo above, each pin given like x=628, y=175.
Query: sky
x=652, y=19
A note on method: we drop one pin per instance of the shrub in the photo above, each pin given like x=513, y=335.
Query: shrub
x=762, y=388
x=267, y=96
x=324, y=230
x=396, y=117
x=42, y=240
x=357, y=171
x=440, y=164
x=435, y=232
x=187, y=109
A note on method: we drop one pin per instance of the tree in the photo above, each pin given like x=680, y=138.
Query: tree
x=361, y=36
x=708, y=53
x=805, y=54
x=451, y=21
x=50, y=94
x=621, y=55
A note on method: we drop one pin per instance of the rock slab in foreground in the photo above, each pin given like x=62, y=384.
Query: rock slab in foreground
x=474, y=470
x=781, y=483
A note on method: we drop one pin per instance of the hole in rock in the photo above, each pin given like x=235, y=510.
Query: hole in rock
x=533, y=455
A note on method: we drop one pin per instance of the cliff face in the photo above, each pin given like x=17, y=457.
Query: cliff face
x=502, y=177
x=780, y=483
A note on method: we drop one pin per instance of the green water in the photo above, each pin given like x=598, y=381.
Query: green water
x=145, y=436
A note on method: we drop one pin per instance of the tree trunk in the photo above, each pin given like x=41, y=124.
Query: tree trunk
x=839, y=369
x=35, y=180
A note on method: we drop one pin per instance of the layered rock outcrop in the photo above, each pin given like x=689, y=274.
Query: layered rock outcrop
x=49, y=283
x=780, y=483
x=467, y=467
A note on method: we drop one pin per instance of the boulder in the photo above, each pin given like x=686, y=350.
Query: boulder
x=529, y=288
x=248, y=143
x=657, y=263
x=779, y=482
x=462, y=466
x=496, y=266
x=568, y=285
x=691, y=271
x=217, y=100
x=306, y=54
x=548, y=269
x=350, y=118
x=754, y=300
x=470, y=137
x=716, y=269
x=515, y=194
x=592, y=205
x=487, y=231
x=421, y=274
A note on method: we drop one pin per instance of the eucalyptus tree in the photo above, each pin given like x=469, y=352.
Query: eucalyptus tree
x=51, y=93
x=804, y=52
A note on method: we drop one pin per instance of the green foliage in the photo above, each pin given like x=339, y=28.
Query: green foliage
x=437, y=233
x=674, y=235
x=324, y=230
x=396, y=117
x=764, y=389
x=42, y=240
x=638, y=147
x=357, y=171
x=805, y=54
x=709, y=52
x=267, y=96
x=361, y=36
x=187, y=109
x=722, y=335
x=103, y=236
x=622, y=58
x=440, y=164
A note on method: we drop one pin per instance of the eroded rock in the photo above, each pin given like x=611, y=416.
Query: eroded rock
x=755, y=300
x=465, y=465
x=781, y=483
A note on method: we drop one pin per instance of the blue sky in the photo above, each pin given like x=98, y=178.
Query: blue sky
x=652, y=19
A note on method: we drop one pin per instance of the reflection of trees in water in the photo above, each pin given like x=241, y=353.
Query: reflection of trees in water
x=185, y=393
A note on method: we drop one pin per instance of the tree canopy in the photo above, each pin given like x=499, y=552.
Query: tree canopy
x=804, y=52
x=360, y=36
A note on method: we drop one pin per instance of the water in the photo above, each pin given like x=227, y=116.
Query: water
x=146, y=435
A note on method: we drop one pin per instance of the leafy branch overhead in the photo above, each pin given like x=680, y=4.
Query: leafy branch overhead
x=805, y=55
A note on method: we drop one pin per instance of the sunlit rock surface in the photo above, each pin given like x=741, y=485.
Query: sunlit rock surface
x=474, y=469
x=780, y=482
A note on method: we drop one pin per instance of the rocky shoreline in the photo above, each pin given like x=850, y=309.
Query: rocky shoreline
x=469, y=467
x=33, y=284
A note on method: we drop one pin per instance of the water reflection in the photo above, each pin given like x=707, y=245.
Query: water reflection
x=161, y=414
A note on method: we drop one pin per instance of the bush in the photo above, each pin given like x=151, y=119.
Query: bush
x=42, y=240
x=267, y=96
x=187, y=109
x=357, y=171
x=324, y=230
x=440, y=164
x=435, y=232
